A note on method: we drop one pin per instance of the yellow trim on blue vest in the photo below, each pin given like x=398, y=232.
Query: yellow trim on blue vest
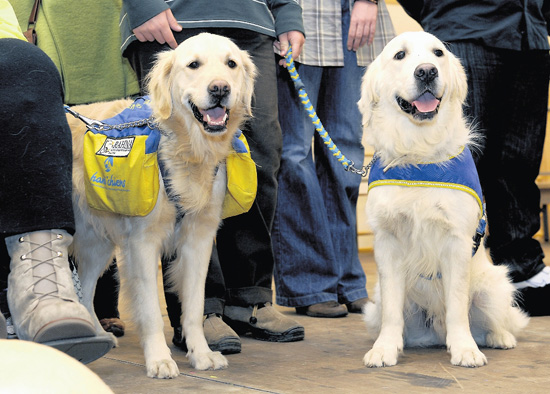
x=458, y=173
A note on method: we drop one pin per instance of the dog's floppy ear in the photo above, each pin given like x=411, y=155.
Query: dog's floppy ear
x=459, y=82
x=159, y=82
x=369, y=91
x=249, y=79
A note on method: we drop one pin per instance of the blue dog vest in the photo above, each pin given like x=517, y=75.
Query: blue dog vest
x=459, y=173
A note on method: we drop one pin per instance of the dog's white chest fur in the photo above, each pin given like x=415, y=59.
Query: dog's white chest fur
x=422, y=224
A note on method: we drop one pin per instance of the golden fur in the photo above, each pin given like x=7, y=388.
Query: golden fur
x=207, y=71
x=422, y=232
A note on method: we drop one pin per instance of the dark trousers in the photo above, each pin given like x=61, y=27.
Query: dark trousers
x=507, y=103
x=35, y=147
x=241, y=267
x=106, y=295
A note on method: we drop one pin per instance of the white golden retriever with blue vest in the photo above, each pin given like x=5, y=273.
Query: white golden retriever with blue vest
x=424, y=206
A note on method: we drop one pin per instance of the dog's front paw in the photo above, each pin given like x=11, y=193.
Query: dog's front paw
x=208, y=360
x=501, y=340
x=468, y=357
x=380, y=357
x=162, y=369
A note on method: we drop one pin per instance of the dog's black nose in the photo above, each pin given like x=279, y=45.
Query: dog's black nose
x=219, y=88
x=425, y=72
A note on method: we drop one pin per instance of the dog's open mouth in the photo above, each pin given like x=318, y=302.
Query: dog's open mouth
x=424, y=107
x=213, y=119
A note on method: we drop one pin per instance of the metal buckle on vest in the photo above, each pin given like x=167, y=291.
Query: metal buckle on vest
x=480, y=232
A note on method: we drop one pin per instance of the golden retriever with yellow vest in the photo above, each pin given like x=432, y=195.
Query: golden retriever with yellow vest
x=200, y=95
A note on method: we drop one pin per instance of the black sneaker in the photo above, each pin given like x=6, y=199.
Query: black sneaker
x=535, y=301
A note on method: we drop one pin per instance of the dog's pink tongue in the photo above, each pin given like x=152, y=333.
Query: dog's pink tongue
x=426, y=103
x=214, y=116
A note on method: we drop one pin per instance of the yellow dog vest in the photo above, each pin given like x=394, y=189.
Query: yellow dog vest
x=122, y=167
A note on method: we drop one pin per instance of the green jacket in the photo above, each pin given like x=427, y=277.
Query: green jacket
x=269, y=17
x=9, y=27
x=83, y=40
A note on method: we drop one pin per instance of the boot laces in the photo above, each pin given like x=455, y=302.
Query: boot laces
x=37, y=263
x=253, y=319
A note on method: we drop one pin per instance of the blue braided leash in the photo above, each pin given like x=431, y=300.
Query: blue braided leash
x=299, y=85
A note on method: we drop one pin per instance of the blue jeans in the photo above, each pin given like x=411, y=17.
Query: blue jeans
x=314, y=233
x=507, y=103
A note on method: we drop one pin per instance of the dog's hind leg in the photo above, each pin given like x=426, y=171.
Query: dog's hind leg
x=140, y=258
x=389, y=343
x=494, y=315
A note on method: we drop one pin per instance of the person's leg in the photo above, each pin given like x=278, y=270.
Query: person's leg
x=508, y=104
x=341, y=116
x=36, y=150
x=306, y=270
x=511, y=240
x=244, y=241
x=36, y=220
x=106, y=301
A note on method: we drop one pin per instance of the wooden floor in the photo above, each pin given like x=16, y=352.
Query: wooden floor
x=329, y=360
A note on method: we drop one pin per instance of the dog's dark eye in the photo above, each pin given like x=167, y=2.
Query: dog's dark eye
x=193, y=65
x=231, y=64
x=399, y=55
x=438, y=52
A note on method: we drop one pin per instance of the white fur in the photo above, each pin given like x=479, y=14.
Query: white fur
x=191, y=153
x=422, y=232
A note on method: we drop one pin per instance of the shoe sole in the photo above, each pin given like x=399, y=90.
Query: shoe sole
x=292, y=335
x=85, y=349
x=327, y=315
x=227, y=346
x=230, y=346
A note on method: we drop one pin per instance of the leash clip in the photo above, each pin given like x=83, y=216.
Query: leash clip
x=362, y=171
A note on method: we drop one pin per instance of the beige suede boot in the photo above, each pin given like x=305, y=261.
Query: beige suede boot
x=41, y=296
x=263, y=322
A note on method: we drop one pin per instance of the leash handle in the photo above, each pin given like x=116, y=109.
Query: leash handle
x=300, y=88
